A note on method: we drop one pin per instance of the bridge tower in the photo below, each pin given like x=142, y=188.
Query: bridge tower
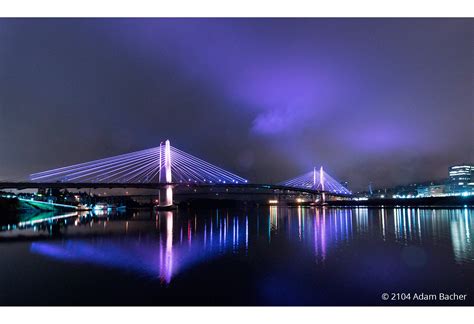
x=321, y=180
x=166, y=193
x=315, y=183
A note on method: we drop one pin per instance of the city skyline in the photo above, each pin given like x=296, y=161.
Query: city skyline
x=387, y=101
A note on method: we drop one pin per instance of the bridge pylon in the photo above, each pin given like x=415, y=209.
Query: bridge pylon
x=321, y=181
x=166, y=193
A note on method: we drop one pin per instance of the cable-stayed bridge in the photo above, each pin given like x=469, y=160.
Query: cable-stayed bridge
x=162, y=164
x=166, y=167
x=318, y=180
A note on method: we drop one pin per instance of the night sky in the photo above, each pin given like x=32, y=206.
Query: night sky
x=383, y=100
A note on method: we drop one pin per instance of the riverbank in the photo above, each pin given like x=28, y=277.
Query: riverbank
x=445, y=202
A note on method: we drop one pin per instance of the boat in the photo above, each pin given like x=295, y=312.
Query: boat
x=101, y=206
x=82, y=207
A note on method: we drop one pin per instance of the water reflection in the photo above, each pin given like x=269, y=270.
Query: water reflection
x=461, y=236
x=164, y=244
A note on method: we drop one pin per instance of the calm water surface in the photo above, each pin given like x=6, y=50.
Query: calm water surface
x=261, y=256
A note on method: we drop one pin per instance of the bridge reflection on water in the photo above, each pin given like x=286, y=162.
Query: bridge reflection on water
x=165, y=244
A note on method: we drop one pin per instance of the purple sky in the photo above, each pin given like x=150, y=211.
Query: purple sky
x=382, y=100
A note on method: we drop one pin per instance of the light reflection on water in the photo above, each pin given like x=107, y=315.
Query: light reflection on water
x=165, y=244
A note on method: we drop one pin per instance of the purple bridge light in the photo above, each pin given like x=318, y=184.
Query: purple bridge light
x=166, y=164
x=317, y=180
x=162, y=164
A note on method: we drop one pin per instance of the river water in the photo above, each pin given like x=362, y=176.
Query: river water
x=241, y=256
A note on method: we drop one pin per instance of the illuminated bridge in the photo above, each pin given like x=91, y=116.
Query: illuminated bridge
x=166, y=167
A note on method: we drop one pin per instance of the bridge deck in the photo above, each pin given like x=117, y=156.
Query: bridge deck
x=84, y=185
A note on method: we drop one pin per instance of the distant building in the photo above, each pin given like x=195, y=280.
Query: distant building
x=459, y=183
x=433, y=190
x=461, y=178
